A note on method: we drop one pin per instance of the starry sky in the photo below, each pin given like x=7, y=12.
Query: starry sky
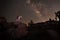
x=36, y=10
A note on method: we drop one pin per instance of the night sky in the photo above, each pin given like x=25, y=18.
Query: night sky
x=36, y=10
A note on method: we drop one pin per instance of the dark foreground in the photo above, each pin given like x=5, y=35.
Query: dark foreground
x=49, y=30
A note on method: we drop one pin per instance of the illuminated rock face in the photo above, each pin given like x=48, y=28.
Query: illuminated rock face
x=21, y=29
x=19, y=18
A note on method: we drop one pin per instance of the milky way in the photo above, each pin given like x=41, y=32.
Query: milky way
x=36, y=10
